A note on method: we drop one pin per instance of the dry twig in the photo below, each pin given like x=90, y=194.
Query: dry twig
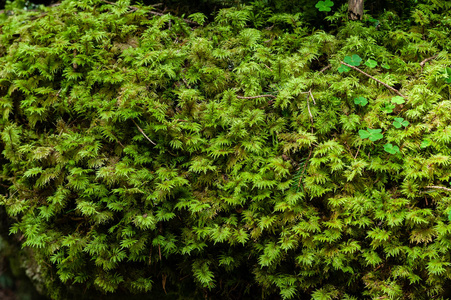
x=142, y=132
x=425, y=61
x=325, y=68
x=368, y=75
x=255, y=97
x=438, y=188
x=309, y=112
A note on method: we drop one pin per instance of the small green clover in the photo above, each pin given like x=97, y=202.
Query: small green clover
x=391, y=149
x=385, y=66
x=353, y=60
x=388, y=108
x=399, y=122
x=425, y=143
x=343, y=68
x=360, y=101
x=371, y=63
x=398, y=100
x=372, y=134
x=324, y=5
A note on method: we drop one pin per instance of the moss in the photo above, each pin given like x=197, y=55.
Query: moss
x=146, y=153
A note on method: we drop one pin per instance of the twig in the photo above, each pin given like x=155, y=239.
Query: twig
x=186, y=83
x=426, y=60
x=309, y=112
x=438, y=187
x=255, y=97
x=311, y=95
x=355, y=157
x=142, y=132
x=267, y=67
x=366, y=74
x=325, y=68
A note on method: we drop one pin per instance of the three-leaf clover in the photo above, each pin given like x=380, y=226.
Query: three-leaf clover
x=371, y=63
x=399, y=122
x=388, y=108
x=353, y=60
x=391, y=149
x=372, y=134
x=360, y=101
x=324, y=5
x=398, y=100
x=425, y=143
x=343, y=68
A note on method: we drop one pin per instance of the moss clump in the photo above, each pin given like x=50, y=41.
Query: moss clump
x=142, y=152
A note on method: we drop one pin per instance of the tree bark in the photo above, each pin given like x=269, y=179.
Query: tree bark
x=355, y=9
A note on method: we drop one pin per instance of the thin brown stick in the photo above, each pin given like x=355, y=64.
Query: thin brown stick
x=355, y=157
x=142, y=132
x=368, y=75
x=255, y=97
x=309, y=112
x=325, y=68
x=426, y=60
x=311, y=95
x=438, y=188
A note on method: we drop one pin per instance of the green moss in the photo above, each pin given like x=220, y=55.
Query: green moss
x=144, y=153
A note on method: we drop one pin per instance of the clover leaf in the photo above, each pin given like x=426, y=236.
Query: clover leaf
x=388, y=108
x=371, y=63
x=324, y=5
x=398, y=100
x=391, y=149
x=372, y=134
x=353, y=60
x=360, y=101
x=343, y=68
x=399, y=122
x=425, y=143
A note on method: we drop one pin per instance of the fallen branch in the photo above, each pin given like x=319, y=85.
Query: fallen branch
x=142, y=132
x=438, y=188
x=368, y=75
x=426, y=60
x=255, y=97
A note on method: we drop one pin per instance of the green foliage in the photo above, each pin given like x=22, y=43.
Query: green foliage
x=354, y=60
x=400, y=122
x=360, y=101
x=324, y=5
x=391, y=149
x=371, y=63
x=398, y=100
x=371, y=134
x=142, y=152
